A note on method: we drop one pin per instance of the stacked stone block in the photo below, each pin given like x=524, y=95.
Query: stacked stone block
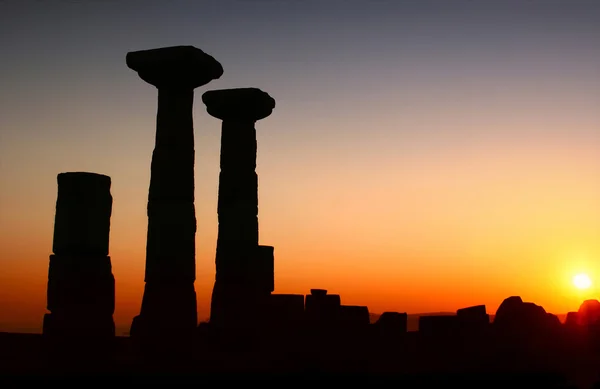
x=81, y=286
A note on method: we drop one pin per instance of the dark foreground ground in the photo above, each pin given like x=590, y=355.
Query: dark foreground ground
x=481, y=361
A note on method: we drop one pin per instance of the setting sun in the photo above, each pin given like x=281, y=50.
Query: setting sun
x=582, y=281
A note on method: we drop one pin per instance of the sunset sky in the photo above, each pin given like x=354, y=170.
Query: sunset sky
x=423, y=155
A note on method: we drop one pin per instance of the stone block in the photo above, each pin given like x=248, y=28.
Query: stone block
x=237, y=234
x=352, y=316
x=392, y=323
x=474, y=311
x=572, y=320
x=168, y=307
x=238, y=146
x=318, y=292
x=265, y=269
x=171, y=219
x=73, y=266
x=170, y=250
x=83, y=211
x=235, y=304
x=172, y=176
x=322, y=308
x=235, y=263
x=78, y=284
x=82, y=296
x=238, y=193
x=472, y=318
x=79, y=325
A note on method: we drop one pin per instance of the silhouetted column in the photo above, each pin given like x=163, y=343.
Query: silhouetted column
x=239, y=258
x=169, y=302
x=81, y=286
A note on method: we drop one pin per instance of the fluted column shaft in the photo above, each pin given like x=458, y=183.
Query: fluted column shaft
x=169, y=302
x=169, y=296
x=238, y=202
x=171, y=243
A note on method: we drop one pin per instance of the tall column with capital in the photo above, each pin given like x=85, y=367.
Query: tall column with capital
x=244, y=269
x=169, y=302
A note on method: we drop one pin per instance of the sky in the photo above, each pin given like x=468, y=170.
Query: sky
x=422, y=156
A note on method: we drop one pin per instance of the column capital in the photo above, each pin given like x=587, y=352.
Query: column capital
x=176, y=67
x=243, y=104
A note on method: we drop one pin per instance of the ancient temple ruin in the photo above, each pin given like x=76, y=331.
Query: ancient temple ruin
x=244, y=268
x=81, y=286
x=169, y=302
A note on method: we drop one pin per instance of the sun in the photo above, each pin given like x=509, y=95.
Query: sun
x=582, y=281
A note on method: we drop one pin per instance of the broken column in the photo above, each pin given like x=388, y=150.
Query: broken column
x=169, y=302
x=81, y=286
x=244, y=269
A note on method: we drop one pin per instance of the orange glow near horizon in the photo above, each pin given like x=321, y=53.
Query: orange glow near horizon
x=396, y=247
x=439, y=237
